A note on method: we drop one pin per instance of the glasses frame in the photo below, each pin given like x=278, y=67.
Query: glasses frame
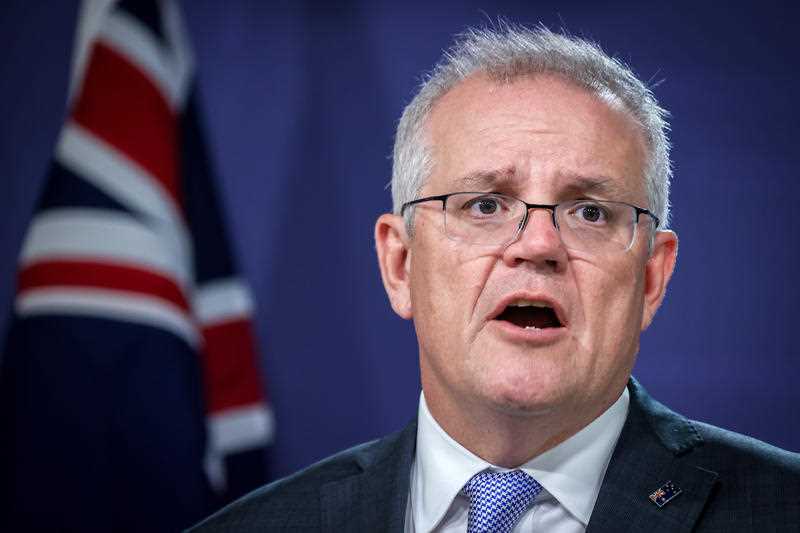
x=528, y=206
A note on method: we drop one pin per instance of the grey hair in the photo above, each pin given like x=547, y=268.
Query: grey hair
x=510, y=52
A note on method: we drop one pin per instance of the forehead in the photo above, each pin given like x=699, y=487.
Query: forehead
x=533, y=133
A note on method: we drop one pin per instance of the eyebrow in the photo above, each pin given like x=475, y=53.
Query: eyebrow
x=569, y=184
x=491, y=179
x=602, y=185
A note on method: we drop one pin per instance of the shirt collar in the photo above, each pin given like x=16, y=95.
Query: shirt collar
x=572, y=472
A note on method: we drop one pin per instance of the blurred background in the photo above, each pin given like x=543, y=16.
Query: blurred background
x=299, y=102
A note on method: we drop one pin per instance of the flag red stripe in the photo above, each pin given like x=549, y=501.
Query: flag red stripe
x=97, y=275
x=230, y=366
x=121, y=105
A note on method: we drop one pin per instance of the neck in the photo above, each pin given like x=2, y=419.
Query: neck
x=504, y=437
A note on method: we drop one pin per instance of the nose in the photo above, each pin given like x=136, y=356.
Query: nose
x=539, y=243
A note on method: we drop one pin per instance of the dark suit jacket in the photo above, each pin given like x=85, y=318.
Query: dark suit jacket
x=728, y=482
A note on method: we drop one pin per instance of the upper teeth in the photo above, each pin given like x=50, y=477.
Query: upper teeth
x=528, y=303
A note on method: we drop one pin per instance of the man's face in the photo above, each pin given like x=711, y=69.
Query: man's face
x=545, y=141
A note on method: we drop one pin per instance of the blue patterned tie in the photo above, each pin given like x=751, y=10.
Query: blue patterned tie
x=497, y=500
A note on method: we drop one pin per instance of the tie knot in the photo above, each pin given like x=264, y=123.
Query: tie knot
x=497, y=500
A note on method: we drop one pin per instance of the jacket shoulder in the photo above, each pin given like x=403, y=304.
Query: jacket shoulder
x=293, y=503
x=757, y=483
x=717, y=449
x=726, y=481
x=733, y=453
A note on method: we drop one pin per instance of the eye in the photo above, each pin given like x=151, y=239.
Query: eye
x=590, y=213
x=484, y=207
x=487, y=206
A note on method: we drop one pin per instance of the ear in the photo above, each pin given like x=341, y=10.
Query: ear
x=657, y=273
x=391, y=243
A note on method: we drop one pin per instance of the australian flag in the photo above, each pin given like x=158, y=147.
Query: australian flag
x=130, y=393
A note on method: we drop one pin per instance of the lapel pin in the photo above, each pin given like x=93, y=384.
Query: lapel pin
x=665, y=493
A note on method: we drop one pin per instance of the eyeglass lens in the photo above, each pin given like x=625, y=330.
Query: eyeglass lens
x=495, y=219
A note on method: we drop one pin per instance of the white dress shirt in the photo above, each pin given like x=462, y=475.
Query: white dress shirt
x=571, y=474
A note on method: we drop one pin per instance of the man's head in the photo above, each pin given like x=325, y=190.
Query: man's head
x=546, y=119
x=513, y=52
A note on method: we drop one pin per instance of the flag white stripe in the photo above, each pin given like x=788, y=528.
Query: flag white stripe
x=235, y=430
x=114, y=173
x=125, y=34
x=95, y=234
x=240, y=428
x=181, y=48
x=221, y=300
x=216, y=472
x=103, y=303
x=91, y=15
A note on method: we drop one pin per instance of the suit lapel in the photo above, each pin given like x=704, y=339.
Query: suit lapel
x=375, y=499
x=655, y=447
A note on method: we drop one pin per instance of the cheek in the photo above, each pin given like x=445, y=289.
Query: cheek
x=447, y=279
x=611, y=300
x=471, y=271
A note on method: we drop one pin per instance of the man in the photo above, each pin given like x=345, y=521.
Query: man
x=529, y=246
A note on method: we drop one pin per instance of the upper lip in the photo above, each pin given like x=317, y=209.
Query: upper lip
x=532, y=297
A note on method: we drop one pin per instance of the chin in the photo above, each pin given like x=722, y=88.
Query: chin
x=525, y=397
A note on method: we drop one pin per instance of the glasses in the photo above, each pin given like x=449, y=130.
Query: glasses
x=593, y=226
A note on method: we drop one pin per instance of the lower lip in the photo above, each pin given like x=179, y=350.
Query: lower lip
x=531, y=335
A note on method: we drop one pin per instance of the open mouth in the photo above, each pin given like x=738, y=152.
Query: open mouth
x=530, y=315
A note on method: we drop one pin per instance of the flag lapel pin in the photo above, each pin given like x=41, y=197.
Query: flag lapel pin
x=665, y=494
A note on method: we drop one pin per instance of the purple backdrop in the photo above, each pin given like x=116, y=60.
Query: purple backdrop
x=300, y=103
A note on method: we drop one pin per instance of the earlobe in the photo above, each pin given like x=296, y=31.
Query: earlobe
x=391, y=244
x=658, y=271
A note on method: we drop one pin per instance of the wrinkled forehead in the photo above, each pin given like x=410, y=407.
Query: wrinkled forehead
x=487, y=134
x=511, y=180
